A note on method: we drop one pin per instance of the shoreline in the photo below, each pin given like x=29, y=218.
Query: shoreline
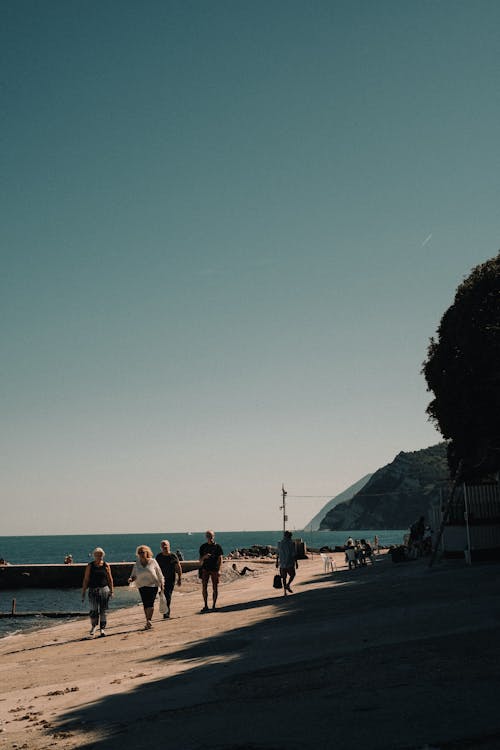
x=43, y=622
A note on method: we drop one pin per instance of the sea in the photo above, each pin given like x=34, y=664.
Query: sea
x=23, y=550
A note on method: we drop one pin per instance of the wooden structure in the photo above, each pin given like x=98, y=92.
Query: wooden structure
x=472, y=527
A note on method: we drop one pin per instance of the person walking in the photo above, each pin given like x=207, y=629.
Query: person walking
x=170, y=567
x=149, y=579
x=286, y=560
x=210, y=562
x=99, y=583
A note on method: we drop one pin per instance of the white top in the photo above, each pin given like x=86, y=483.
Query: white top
x=148, y=575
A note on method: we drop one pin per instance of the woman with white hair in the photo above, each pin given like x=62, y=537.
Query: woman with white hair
x=99, y=582
x=148, y=578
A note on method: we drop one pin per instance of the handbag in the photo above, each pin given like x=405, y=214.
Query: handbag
x=277, y=582
x=163, y=603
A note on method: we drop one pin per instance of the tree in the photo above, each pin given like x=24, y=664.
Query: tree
x=463, y=371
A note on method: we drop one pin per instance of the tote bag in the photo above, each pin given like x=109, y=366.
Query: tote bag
x=163, y=603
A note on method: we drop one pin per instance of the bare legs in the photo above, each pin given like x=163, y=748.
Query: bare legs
x=215, y=592
x=284, y=572
x=148, y=596
x=148, y=611
x=204, y=589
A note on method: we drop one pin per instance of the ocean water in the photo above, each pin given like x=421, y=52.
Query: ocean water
x=121, y=548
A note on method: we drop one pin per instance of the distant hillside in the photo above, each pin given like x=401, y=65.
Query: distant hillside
x=396, y=494
x=315, y=523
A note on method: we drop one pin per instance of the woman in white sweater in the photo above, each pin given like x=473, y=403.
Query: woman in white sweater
x=149, y=578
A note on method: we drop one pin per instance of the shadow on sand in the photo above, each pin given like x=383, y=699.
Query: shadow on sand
x=378, y=659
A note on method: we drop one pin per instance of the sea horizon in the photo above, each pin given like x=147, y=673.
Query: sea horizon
x=120, y=547
x=304, y=530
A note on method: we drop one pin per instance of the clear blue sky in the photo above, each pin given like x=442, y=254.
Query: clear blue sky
x=229, y=230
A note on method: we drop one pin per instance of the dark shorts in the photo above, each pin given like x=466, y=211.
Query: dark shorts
x=148, y=595
x=284, y=571
x=206, y=575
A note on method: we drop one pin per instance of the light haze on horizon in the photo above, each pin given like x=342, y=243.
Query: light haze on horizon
x=229, y=231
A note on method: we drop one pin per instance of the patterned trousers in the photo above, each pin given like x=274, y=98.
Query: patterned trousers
x=98, y=599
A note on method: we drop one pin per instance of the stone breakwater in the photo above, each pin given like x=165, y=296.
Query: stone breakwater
x=64, y=576
x=268, y=551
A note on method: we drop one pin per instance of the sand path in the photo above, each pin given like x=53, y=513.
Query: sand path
x=395, y=656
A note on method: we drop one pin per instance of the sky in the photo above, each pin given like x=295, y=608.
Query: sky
x=229, y=230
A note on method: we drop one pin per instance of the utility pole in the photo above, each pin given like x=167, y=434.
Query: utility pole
x=283, y=507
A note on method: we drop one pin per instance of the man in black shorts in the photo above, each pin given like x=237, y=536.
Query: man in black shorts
x=170, y=567
x=210, y=562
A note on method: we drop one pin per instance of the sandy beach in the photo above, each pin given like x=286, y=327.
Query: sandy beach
x=391, y=656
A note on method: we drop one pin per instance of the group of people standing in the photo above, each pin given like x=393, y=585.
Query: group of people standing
x=420, y=538
x=358, y=552
x=152, y=576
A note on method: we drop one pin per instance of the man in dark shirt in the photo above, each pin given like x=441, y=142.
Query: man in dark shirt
x=210, y=562
x=170, y=566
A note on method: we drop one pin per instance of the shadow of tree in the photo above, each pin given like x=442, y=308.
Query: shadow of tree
x=234, y=651
x=274, y=683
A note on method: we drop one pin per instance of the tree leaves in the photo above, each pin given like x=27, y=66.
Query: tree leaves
x=463, y=371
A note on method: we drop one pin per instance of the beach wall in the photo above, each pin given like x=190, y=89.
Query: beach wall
x=64, y=576
x=484, y=542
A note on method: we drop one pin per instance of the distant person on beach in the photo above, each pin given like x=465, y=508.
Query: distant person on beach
x=68, y=560
x=149, y=579
x=367, y=552
x=179, y=554
x=359, y=552
x=286, y=561
x=427, y=540
x=417, y=530
x=99, y=582
x=210, y=562
x=376, y=544
x=243, y=571
x=170, y=567
x=350, y=554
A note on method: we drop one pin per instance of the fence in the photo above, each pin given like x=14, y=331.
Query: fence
x=480, y=504
x=473, y=525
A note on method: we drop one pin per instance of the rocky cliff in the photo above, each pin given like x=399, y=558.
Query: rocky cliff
x=315, y=523
x=396, y=494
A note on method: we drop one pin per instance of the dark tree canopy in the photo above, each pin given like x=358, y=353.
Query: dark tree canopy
x=463, y=371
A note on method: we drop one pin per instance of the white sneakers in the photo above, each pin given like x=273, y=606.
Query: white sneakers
x=93, y=629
